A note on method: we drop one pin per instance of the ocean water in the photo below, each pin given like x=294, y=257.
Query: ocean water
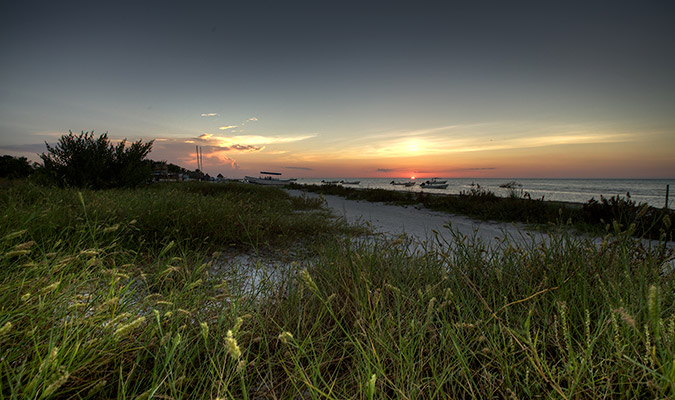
x=650, y=191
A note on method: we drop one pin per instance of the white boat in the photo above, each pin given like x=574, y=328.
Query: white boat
x=267, y=178
x=427, y=185
x=406, y=184
x=330, y=182
x=435, y=181
x=350, y=182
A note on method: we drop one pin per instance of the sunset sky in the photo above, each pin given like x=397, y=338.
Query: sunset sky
x=351, y=89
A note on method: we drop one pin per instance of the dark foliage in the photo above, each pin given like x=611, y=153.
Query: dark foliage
x=85, y=161
x=644, y=220
x=15, y=167
x=478, y=202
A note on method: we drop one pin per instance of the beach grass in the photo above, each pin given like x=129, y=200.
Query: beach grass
x=118, y=294
x=594, y=216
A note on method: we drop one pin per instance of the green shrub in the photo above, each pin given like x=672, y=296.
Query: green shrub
x=643, y=220
x=84, y=161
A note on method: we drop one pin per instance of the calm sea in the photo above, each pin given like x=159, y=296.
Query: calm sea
x=650, y=191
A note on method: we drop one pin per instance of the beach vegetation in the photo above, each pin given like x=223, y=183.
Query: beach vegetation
x=595, y=217
x=124, y=293
x=15, y=167
x=86, y=161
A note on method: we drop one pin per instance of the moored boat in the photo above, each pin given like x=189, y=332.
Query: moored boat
x=350, y=182
x=435, y=181
x=406, y=184
x=267, y=178
x=330, y=182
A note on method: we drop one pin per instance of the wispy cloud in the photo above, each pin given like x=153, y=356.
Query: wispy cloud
x=252, y=119
x=451, y=139
x=301, y=168
x=182, y=152
x=209, y=114
x=243, y=143
x=241, y=147
x=385, y=170
x=222, y=128
x=223, y=158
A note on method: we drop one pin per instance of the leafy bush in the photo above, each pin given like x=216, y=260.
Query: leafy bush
x=644, y=220
x=14, y=167
x=85, y=161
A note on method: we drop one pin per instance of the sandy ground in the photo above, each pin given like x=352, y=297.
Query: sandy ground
x=420, y=223
x=252, y=271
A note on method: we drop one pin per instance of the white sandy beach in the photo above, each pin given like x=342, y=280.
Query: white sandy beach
x=420, y=223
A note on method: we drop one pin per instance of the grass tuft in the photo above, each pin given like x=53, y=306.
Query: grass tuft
x=121, y=295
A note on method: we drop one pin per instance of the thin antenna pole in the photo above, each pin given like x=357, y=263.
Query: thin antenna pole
x=667, y=193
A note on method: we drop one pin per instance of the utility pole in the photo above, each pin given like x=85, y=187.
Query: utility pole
x=197, y=150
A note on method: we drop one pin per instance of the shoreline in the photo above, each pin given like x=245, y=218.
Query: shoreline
x=432, y=192
x=650, y=191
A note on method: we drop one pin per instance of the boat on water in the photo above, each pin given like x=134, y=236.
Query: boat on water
x=268, y=178
x=427, y=185
x=350, y=182
x=406, y=184
x=435, y=181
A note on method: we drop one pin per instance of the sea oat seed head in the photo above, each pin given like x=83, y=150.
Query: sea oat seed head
x=24, y=246
x=50, y=288
x=308, y=281
x=285, y=337
x=125, y=329
x=653, y=303
x=371, y=385
x=205, y=330
x=15, y=235
x=111, y=228
x=231, y=344
x=119, y=318
x=16, y=253
x=57, y=383
x=5, y=328
x=625, y=317
x=237, y=325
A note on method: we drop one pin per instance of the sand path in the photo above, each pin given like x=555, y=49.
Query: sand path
x=420, y=223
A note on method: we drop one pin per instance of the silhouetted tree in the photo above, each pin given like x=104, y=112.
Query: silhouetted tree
x=85, y=161
x=15, y=167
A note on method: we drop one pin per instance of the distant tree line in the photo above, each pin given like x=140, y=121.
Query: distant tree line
x=15, y=167
x=87, y=161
